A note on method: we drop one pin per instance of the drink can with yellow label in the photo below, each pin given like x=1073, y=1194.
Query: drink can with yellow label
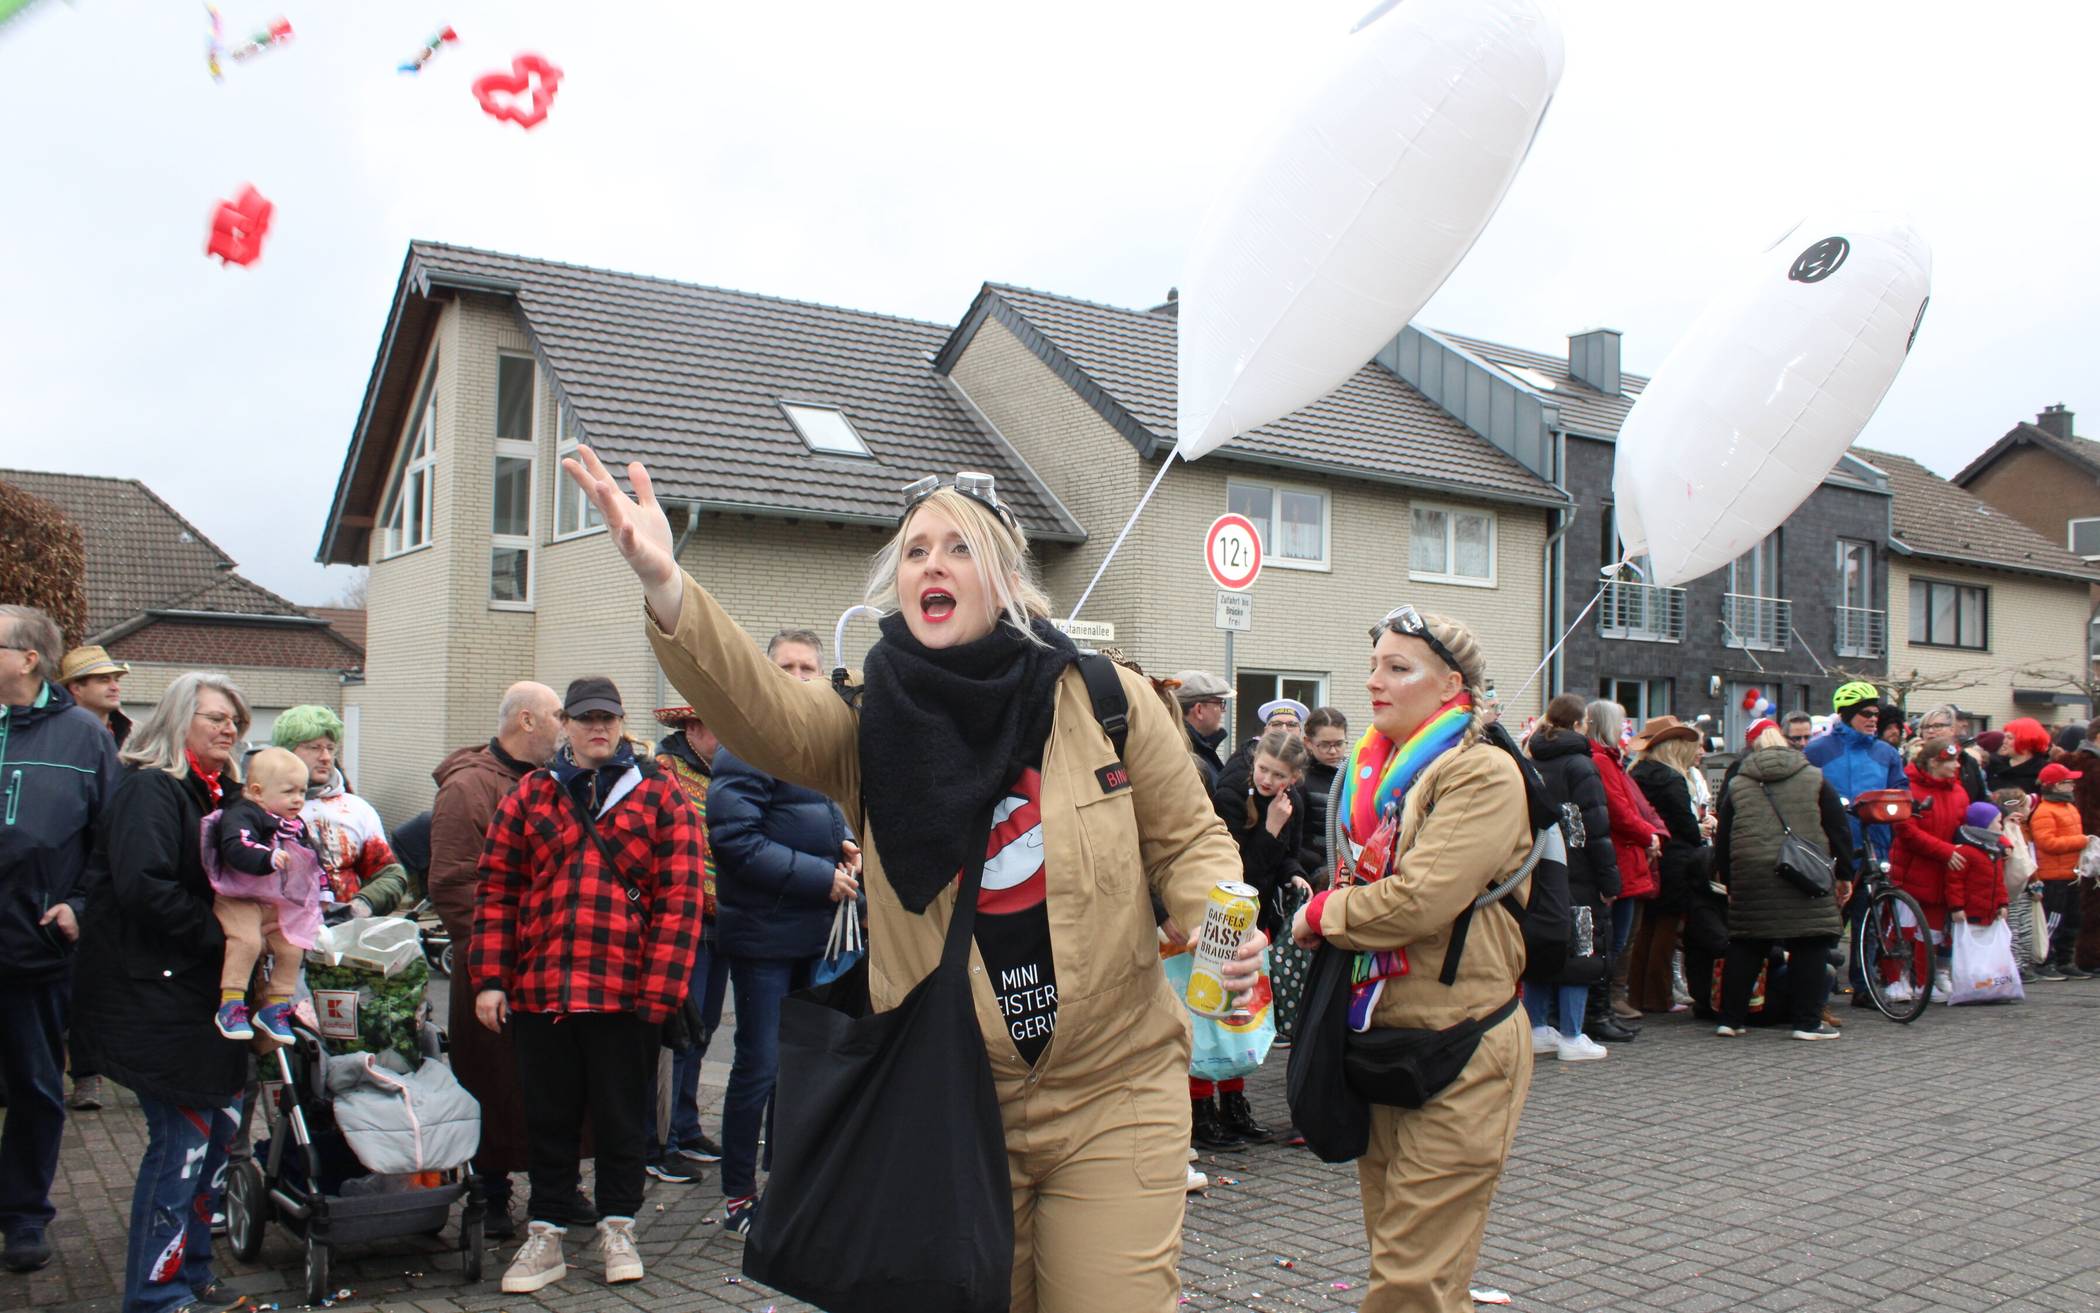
x=1225, y=922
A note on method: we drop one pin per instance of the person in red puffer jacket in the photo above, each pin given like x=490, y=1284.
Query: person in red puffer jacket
x=1924, y=854
x=1976, y=893
x=1635, y=840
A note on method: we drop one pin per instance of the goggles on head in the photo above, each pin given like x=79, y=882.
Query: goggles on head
x=1404, y=619
x=977, y=486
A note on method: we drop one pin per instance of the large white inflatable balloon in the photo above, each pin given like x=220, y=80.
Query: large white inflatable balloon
x=1351, y=216
x=1765, y=393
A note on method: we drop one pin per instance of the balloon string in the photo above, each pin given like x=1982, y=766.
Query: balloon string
x=1128, y=525
x=1610, y=576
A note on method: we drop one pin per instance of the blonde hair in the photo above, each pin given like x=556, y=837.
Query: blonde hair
x=999, y=549
x=273, y=765
x=1768, y=738
x=1472, y=668
x=1681, y=755
x=161, y=740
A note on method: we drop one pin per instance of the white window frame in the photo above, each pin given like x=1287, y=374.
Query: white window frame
x=794, y=410
x=1451, y=512
x=2071, y=534
x=1276, y=678
x=525, y=449
x=417, y=461
x=566, y=441
x=1270, y=557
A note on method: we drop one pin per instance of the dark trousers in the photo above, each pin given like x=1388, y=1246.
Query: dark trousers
x=2060, y=903
x=710, y=985
x=760, y=983
x=32, y=1058
x=167, y=1255
x=1807, y=979
x=573, y=1065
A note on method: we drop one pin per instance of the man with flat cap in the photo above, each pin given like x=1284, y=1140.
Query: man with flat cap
x=1203, y=696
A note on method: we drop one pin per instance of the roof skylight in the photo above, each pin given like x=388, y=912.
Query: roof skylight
x=826, y=429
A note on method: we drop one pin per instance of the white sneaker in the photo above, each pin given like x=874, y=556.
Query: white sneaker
x=538, y=1261
x=1581, y=1048
x=1192, y=1153
x=1943, y=984
x=1197, y=1181
x=1897, y=991
x=623, y=1262
x=1544, y=1040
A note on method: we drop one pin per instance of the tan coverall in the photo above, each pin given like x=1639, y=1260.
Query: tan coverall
x=1097, y=1133
x=1430, y=1173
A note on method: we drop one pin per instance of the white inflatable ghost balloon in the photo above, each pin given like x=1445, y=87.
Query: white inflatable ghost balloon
x=1351, y=216
x=1765, y=393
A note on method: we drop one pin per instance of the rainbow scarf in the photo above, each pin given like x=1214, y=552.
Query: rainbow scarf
x=1380, y=773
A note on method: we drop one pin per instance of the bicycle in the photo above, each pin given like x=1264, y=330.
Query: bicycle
x=1891, y=935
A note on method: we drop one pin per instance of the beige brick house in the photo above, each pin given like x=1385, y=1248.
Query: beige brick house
x=779, y=434
x=1983, y=611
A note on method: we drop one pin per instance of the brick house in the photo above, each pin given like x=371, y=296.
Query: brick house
x=780, y=433
x=2048, y=478
x=1984, y=612
x=163, y=599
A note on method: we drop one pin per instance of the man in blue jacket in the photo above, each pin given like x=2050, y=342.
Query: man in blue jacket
x=57, y=767
x=784, y=859
x=1854, y=760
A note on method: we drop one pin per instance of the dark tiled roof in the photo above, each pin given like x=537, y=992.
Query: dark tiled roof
x=689, y=380
x=1583, y=408
x=1373, y=423
x=141, y=555
x=2080, y=453
x=347, y=621
x=1939, y=520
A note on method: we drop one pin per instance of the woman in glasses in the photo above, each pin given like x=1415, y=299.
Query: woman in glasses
x=1327, y=739
x=1452, y=807
x=971, y=699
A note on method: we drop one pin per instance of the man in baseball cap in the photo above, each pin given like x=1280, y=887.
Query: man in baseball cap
x=94, y=681
x=1203, y=696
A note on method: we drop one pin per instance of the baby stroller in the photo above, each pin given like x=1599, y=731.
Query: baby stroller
x=312, y=1175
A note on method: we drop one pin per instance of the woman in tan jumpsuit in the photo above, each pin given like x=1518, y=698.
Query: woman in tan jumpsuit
x=1088, y=1046
x=1429, y=1173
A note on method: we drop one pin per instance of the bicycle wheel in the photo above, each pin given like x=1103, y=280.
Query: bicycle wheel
x=1889, y=939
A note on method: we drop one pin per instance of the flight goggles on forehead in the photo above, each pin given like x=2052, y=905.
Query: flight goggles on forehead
x=1404, y=619
x=978, y=487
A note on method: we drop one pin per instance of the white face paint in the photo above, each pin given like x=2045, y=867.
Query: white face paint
x=1407, y=683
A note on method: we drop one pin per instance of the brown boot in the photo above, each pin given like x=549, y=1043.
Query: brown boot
x=1620, y=1008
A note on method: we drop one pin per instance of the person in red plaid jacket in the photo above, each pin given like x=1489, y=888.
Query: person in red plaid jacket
x=585, y=959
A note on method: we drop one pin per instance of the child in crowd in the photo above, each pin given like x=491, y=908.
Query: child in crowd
x=2021, y=886
x=2059, y=838
x=1976, y=893
x=266, y=886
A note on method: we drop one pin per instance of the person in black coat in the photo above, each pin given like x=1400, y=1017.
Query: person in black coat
x=1262, y=802
x=1562, y=753
x=1327, y=740
x=1669, y=754
x=147, y=982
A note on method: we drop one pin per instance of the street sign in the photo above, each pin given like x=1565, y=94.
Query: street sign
x=1232, y=552
x=1235, y=611
x=1087, y=631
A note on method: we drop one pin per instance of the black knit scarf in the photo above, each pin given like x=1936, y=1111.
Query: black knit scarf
x=943, y=731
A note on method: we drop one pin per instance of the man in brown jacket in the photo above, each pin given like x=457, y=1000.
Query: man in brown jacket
x=472, y=783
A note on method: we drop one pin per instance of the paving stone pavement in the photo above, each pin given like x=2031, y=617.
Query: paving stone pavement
x=1952, y=1166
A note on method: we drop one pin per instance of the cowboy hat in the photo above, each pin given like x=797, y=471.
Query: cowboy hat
x=1662, y=729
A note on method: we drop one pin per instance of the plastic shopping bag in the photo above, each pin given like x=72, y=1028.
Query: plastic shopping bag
x=1984, y=970
x=1226, y=1050
x=367, y=978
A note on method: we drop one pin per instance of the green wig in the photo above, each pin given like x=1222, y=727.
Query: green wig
x=297, y=725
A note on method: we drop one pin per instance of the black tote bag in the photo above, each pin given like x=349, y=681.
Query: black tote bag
x=1333, y=1118
x=889, y=1191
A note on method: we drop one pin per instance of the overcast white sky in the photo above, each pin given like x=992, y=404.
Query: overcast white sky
x=893, y=156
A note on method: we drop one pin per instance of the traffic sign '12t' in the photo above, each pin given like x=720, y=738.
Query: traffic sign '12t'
x=1232, y=551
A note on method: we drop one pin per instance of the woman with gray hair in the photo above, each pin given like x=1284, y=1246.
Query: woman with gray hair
x=1634, y=840
x=147, y=984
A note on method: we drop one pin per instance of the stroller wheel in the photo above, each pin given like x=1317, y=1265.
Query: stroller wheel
x=445, y=962
x=247, y=1209
x=317, y=1283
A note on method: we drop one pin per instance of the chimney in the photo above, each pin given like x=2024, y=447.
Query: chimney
x=1593, y=358
x=1171, y=307
x=2054, y=421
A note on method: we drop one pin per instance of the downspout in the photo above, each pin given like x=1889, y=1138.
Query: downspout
x=685, y=535
x=1555, y=570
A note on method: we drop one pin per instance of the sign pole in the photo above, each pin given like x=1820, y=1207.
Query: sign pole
x=1232, y=678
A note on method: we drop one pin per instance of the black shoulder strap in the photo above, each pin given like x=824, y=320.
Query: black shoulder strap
x=590, y=827
x=1111, y=707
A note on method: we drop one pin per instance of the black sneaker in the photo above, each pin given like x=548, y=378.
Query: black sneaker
x=701, y=1150
x=669, y=1172
x=736, y=1215
x=1208, y=1131
x=216, y=1297
x=2069, y=972
x=27, y=1249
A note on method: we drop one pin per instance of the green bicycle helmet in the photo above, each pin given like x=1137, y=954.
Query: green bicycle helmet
x=1851, y=695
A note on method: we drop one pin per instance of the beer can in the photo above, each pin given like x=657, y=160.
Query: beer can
x=1226, y=920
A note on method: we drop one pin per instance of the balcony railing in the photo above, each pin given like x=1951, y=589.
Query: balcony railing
x=1760, y=622
x=1861, y=632
x=1645, y=611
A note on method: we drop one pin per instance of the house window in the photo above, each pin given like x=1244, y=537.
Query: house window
x=1258, y=686
x=408, y=511
x=1292, y=522
x=1453, y=546
x=2085, y=538
x=510, y=517
x=1855, y=570
x=1756, y=572
x=1640, y=698
x=573, y=512
x=825, y=429
x=1949, y=615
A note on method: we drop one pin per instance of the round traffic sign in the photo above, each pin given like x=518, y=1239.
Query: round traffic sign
x=1232, y=551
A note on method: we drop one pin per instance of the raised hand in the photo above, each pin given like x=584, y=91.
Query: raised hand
x=637, y=526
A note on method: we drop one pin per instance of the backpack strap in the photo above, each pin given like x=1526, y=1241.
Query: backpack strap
x=1111, y=707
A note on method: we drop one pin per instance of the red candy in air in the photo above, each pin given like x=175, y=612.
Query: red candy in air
x=526, y=71
x=238, y=227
